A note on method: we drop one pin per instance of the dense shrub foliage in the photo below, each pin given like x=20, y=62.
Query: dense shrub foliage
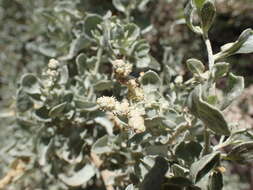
x=111, y=109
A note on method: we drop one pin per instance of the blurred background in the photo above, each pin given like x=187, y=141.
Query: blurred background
x=33, y=31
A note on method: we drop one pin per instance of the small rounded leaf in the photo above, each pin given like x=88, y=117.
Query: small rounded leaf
x=91, y=23
x=23, y=101
x=57, y=110
x=208, y=12
x=220, y=69
x=30, y=84
x=195, y=66
x=215, y=181
x=200, y=168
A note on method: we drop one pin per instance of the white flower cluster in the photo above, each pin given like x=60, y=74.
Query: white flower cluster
x=122, y=68
x=52, y=73
x=134, y=115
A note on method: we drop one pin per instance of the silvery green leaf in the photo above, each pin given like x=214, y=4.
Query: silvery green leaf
x=215, y=181
x=81, y=63
x=101, y=145
x=57, y=110
x=234, y=89
x=200, y=168
x=247, y=46
x=132, y=31
x=85, y=105
x=119, y=5
x=42, y=114
x=180, y=181
x=75, y=46
x=105, y=122
x=103, y=85
x=154, y=178
x=207, y=113
x=161, y=150
x=130, y=187
x=242, y=45
x=91, y=23
x=242, y=152
x=195, y=66
x=151, y=79
x=154, y=64
x=47, y=50
x=207, y=14
x=143, y=62
x=68, y=97
x=179, y=170
x=23, y=101
x=189, y=11
x=188, y=151
x=193, y=188
x=142, y=48
x=220, y=69
x=199, y=3
x=64, y=75
x=30, y=84
x=80, y=177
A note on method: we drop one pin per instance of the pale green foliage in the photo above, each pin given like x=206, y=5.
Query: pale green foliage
x=152, y=131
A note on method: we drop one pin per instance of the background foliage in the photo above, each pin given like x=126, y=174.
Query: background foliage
x=53, y=135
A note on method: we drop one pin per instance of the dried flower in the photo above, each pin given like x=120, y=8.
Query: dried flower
x=107, y=103
x=53, y=64
x=122, y=68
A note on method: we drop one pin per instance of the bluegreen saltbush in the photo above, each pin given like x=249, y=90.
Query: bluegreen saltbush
x=109, y=115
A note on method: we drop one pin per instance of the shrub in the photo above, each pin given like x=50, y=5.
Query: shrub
x=108, y=111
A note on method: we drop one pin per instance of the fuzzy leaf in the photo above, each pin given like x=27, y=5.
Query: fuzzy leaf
x=80, y=177
x=30, y=84
x=119, y=5
x=207, y=113
x=188, y=151
x=180, y=181
x=234, y=89
x=103, y=85
x=81, y=62
x=200, y=168
x=150, y=80
x=23, y=101
x=75, y=46
x=91, y=23
x=85, y=105
x=153, y=179
x=57, y=110
x=101, y=145
x=215, y=181
x=132, y=31
x=199, y=3
x=242, y=152
x=195, y=66
x=207, y=14
x=220, y=69
x=189, y=11
x=244, y=44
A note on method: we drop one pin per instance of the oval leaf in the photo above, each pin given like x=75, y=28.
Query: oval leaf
x=151, y=79
x=208, y=12
x=200, y=168
x=195, y=66
x=57, y=110
x=101, y=145
x=207, y=113
x=91, y=23
x=215, y=181
x=30, y=84
x=80, y=177
x=234, y=89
